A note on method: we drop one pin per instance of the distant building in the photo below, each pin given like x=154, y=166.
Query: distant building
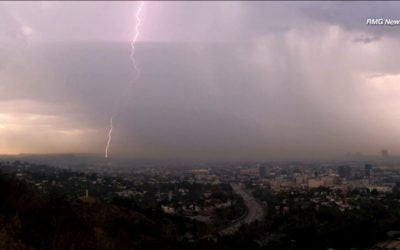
x=367, y=170
x=329, y=181
x=300, y=179
x=200, y=171
x=263, y=171
x=344, y=172
x=86, y=198
x=314, y=183
x=385, y=153
x=168, y=210
x=249, y=171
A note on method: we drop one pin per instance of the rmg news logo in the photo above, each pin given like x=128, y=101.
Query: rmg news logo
x=382, y=21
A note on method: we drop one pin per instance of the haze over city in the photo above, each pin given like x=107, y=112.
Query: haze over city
x=201, y=125
x=219, y=80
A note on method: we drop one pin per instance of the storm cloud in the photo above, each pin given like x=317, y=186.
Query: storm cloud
x=219, y=80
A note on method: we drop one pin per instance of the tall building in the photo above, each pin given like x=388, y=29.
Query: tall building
x=263, y=171
x=344, y=172
x=385, y=153
x=367, y=170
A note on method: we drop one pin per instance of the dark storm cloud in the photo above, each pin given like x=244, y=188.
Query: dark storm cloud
x=366, y=39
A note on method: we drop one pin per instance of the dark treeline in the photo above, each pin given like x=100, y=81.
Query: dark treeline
x=32, y=220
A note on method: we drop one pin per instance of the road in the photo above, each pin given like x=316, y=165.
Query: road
x=255, y=210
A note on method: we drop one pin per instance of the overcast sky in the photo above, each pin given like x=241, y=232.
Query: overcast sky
x=219, y=80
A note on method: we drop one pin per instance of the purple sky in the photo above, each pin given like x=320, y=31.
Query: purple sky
x=219, y=80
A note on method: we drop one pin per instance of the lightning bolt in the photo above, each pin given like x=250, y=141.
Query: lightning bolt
x=135, y=37
x=109, y=136
x=136, y=69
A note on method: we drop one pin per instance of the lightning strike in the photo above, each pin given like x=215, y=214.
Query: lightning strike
x=135, y=37
x=132, y=58
x=109, y=137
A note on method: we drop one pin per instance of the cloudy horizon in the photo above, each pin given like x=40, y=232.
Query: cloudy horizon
x=219, y=80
